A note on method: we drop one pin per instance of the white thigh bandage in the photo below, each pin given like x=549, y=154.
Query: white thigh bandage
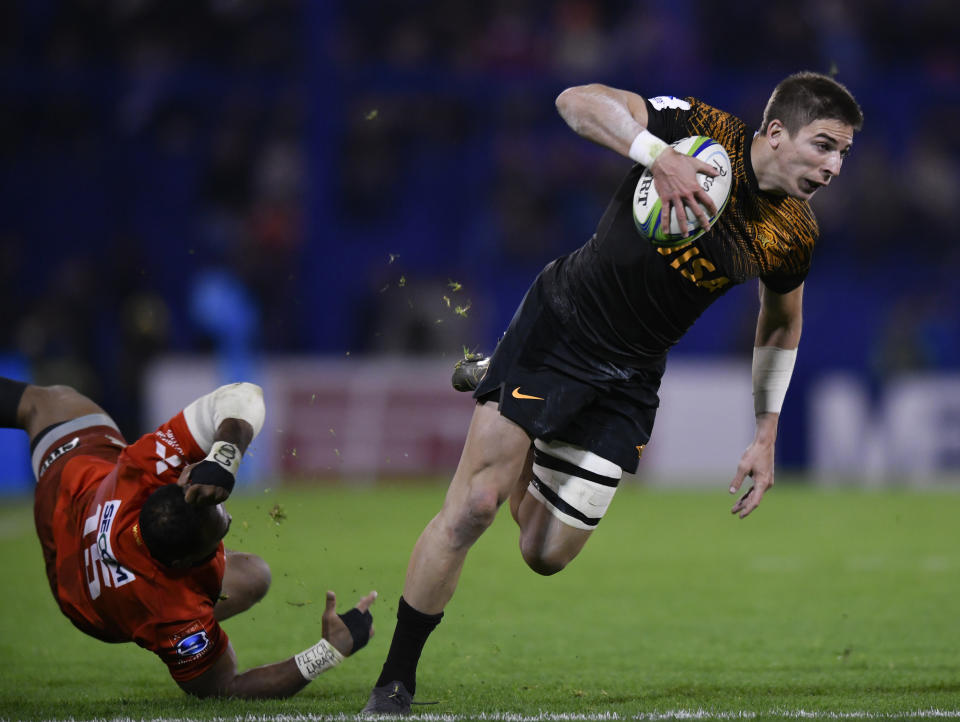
x=574, y=484
x=234, y=401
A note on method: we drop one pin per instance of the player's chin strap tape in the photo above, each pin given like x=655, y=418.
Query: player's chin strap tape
x=358, y=624
x=220, y=466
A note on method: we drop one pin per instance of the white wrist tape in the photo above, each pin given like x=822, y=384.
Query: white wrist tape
x=772, y=369
x=318, y=659
x=646, y=147
x=226, y=454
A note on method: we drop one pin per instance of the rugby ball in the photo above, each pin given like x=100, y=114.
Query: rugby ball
x=646, y=201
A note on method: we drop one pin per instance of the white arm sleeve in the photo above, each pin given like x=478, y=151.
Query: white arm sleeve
x=234, y=401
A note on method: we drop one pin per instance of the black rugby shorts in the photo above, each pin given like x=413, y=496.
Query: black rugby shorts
x=552, y=386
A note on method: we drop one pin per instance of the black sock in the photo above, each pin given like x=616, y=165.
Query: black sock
x=411, y=634
x=10, y=394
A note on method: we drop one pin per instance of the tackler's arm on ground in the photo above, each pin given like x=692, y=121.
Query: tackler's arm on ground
x=774, y=354
x=618, y=120
x=223, y=423
x=343, y=634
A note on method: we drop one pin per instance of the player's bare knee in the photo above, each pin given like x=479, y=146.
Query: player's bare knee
x=543, y=563
x=545, y=567
x=248, y=579
x=43, y=400
x=30, y=402
x=473, y=516
x=258, y=578
x=43, y=406
x=56, y=396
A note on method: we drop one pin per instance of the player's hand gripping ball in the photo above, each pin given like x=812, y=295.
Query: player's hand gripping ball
x=647, y=204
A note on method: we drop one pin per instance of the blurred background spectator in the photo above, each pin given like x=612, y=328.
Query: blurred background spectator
x=388, y=177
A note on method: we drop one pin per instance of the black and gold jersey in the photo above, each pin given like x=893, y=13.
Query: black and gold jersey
x=628, y=300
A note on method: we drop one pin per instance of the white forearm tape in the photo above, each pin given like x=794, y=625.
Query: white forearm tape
x=318, y=659
x=646, y=147
x=772, y=369
x=234, y=401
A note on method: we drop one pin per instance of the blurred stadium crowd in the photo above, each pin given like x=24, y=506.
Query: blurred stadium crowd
x=300, y=176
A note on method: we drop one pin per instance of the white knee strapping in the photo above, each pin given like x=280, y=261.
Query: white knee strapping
x=574, y=484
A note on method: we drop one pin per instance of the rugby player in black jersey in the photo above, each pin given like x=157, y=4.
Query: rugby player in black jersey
x=568, y=399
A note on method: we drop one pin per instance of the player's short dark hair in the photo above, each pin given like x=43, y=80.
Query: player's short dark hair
x=804, y=97
x=171, y=528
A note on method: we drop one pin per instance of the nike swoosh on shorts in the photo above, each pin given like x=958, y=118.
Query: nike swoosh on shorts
x=517, y=395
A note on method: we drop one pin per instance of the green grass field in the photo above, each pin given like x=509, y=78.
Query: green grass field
x=836, y=605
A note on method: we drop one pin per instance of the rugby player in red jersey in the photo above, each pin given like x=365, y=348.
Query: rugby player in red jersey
x=132, y=535
x=568, y=399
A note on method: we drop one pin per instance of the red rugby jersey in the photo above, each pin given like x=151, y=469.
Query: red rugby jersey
x=108, y=584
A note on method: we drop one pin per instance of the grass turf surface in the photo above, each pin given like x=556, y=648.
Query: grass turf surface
x=822, y=602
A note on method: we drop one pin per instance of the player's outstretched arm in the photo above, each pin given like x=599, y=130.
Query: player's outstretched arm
x=343, y=634
x=775, y=351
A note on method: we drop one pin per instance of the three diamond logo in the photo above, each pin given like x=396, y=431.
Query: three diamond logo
x=171, y=462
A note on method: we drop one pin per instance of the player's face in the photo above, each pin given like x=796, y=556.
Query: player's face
x=216, y=530
x=809, y=160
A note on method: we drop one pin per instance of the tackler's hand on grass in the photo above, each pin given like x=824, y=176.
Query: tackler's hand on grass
x=351, y=631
